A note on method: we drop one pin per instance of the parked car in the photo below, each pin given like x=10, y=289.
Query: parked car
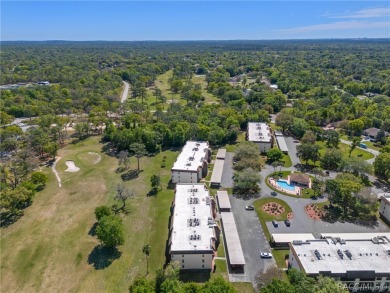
x=273, y=193
x=296, y=141
x=265, y=255
x=249, y=208
x=287, y=222
x=275, y=223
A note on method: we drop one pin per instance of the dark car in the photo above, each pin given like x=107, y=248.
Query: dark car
x=287, y=222
x=275, y=223
x=273, y=193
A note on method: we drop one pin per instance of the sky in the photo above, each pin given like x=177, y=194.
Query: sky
x=193, y=20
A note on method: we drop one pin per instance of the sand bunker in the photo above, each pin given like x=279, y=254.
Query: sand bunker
x=71, y=167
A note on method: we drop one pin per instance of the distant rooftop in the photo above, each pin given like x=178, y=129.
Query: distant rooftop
x=192, y=227
x=191, y=156
x=343, y=256
x=282, y=144
x=259, y=132
x=216, y=176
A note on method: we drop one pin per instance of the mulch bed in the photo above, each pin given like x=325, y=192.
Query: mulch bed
x=314, y=212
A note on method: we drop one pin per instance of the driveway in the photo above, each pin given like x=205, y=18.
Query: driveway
x=249, y=230
x=125, y=92
x=228, y=171
x=252, y=240
x=292, y=150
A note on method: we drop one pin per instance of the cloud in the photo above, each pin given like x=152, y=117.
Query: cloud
x=364, y=13
x=341, y=25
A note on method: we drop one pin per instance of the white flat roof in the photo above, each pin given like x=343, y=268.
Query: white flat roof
x=290, y=237
x=282, y=143
x=216, y=176
x=191, y=156
x=223, y=199
x=259, y=132
x=234, y=249
x=365, y=256
x=192, y=213
x=221, y=154
x=355, y=236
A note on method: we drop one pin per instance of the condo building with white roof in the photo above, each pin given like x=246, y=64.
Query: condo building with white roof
x=356, y=263
x=194, y=234
x=260, y=134
x=191, y=164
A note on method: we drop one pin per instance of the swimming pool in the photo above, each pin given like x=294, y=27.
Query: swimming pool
x=285, y=185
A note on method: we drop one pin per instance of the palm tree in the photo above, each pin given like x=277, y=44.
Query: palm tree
x=146, y=250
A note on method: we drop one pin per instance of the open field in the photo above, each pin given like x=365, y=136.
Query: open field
x=50, y=250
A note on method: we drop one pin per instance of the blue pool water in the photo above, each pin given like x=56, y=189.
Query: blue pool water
x=284, y=185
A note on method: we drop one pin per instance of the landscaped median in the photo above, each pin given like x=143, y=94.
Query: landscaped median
x=266, y=216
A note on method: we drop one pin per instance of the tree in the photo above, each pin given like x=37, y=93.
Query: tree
x=275, y=165
x=218, y=285
x=146, y=249
x=122, y=194
x=138, y=149
x=354, y=144
x=332, y=138
x=247, y=182
x=110, y=231
x=381, y=166
x=263, y=279
x=157, y=93
x=356, y=126
x=331, y=159
x=102, y=211
x=39, y=179
x=155, y=182
x=274, y=154
x=141, y=285
x=317, y=186
x=124, y=159
x=308, y=152
x=309, y=137
x=278, y=286
x=356, y=166
x=329, y=285
x=284, y=120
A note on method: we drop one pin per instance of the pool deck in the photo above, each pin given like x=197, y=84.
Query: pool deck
x=273, y=183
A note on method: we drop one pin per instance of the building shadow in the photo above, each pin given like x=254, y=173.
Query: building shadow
x=102, y=257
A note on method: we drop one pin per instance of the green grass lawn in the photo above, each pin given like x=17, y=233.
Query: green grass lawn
x=50, y=249
x=243, y=287
x=345, y=151
x=231, y=147
x=263, y=217
x=287, y=160
x=279, y=256
x=221, y=249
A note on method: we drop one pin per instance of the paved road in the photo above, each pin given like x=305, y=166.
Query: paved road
x=292, y=150
x=125, y=92
x=228, y=171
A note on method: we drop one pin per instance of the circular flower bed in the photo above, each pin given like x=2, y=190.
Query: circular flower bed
x=273, y=209
x=314, y=212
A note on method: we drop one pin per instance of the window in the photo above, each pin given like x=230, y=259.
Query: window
x=202, y=260
x=182, y=261
x=202, y=255
x=202, y=266
x=182, y=266
x=182, y=255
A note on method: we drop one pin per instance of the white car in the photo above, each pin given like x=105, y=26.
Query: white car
x=265, y=255
x=249, y=208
